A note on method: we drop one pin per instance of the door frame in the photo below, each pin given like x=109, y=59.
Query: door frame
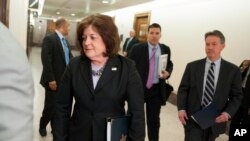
x=4, y=12
x=137, y=16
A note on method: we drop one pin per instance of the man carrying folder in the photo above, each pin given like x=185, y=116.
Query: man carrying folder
x=146, y=56
x=211, y=80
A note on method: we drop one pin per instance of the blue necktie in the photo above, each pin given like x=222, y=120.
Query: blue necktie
x=66, y=50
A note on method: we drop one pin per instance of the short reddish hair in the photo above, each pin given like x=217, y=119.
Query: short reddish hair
x=107, y=29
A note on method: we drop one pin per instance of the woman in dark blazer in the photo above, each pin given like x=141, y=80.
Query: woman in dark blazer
x=100, y=82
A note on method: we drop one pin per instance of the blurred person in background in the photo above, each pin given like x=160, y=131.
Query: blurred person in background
x=55, y=57
x=16, y=90
x=242, y=116
x=129, y=42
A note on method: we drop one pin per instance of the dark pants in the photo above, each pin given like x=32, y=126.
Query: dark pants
x=240, y=120
x=49, y=109
x=153, y=108
x=241, y=116
x=194, y=133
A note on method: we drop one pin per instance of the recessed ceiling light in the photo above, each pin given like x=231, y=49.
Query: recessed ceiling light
x=58, y=13
x=105, y=1
x=73, y=14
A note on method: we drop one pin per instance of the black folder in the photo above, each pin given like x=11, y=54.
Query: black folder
x=117, y=128
x=206, y=117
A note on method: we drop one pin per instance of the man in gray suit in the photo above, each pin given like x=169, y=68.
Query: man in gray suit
x=224, y=87
x=16, y=90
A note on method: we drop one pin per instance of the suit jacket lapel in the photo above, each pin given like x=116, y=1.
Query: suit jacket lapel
x=248, y=80
x=132, y=41
x=221, y=78
x=60, y=47
x=244, y=73
x=110, y=71
x=125, y=44
x=200, y=77
x=162, y=49
x=85, y=70
x=146, y=56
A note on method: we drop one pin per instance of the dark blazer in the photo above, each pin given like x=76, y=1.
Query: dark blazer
x=53, y=59
x=246, y=94
x=140, y=55
x=130, y=45
x=227, y=95
x=119, y=82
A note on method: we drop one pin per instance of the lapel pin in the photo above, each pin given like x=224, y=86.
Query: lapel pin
x=114, y=68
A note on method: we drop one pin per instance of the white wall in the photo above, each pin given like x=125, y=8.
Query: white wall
x=18, y=20
x=40, y=28
x=184, y=23
x=39, y=31
x=72, y=33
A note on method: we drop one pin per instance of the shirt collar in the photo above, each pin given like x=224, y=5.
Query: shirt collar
x=215, y=62
x=59, y=34
x=151, y=46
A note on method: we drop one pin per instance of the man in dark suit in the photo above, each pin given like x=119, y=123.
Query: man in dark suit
x=224, y=84
x=242, y=117
x=55, y=56
x=155, y=92
x=129, y=43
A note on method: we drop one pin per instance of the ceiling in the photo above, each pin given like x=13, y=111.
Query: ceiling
x=82, y=8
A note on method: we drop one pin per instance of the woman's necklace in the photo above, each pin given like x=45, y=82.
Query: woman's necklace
x=97, y=72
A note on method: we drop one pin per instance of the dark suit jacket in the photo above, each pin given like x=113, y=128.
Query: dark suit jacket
x=130, y=45
x=53, y=59
x=119, y=82
x=246, y=95
x=140, y=55
x=227, y=95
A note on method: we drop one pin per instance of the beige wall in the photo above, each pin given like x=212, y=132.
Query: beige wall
x=184, y=24
x=18, y=18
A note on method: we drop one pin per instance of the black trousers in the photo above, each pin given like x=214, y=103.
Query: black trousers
x=194, y=133
x=241, y=116
x=153, y=109
x=49, y=109
x=240, y=120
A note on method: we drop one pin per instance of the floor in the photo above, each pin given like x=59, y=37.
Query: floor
x=171, y=129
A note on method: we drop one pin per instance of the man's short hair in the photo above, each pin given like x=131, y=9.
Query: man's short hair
x=154, y=25
x=216, y=33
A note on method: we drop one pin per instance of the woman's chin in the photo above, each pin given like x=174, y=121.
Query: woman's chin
x=89, y=55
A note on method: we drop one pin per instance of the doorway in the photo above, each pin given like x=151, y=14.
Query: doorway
x=141, y=23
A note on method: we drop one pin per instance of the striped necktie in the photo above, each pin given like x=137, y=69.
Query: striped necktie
x=209, y=87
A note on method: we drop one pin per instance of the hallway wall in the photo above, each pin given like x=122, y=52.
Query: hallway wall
x=184, y=24
x=18, y=19
x=40, y=28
